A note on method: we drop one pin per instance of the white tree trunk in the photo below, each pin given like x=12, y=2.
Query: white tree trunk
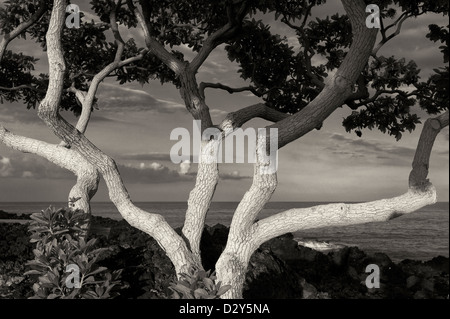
x=152, y=224
x=246, y=235
x=244, y=240
x=201, y=196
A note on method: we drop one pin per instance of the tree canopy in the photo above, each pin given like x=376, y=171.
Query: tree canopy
x=285, y=78
x=335, y=64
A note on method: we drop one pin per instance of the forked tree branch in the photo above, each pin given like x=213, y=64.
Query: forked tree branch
x=399, y=23
x=208, y=174
x=238, y=118
x=152, y=224
x=204, y=85
x=153, y=45
x=339, y=87
x=87, y=98
x=87, y=176
x=420, y=193
x=235, y=19
x=8, y=37
x=21, y=87
x=243, y=238
x=385, y=38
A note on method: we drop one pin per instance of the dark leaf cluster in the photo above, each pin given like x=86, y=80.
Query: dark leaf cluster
x=60, y=244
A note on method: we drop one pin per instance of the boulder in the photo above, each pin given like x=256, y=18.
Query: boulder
x=412, y=281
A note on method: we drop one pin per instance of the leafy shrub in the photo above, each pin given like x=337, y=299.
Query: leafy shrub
x=13, y=284
x=60, y=244
x=197, y=284
x=14, y=244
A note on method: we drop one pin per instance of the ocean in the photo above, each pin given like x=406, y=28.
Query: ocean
x=421, y=235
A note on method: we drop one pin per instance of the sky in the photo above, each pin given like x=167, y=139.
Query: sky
x=134, y=124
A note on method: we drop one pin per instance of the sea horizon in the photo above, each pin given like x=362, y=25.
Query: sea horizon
x=420, y=235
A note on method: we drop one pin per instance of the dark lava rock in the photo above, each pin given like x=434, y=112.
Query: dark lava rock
x=14, y=242
x=280, y=268
x=4, y=215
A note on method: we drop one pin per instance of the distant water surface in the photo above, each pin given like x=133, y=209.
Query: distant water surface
x=420, y=235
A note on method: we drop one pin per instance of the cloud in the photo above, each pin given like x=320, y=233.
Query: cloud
x=185, y=167
x=147, y=157
x=387, y=153
x=17, y=112
x=235, y=175
x=31, y=166
x=154, y=173
x=115, y=97
x=6, y=169
x=34, y=167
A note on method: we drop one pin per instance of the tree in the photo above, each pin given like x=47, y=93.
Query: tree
x=296, y=94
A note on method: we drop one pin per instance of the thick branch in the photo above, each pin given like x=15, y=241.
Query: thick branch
x=238, y=118
x=21, y=87
x=153, y=45
x=342, y=214
x=201, y=196
x=87, y=176
x=193, y=99
x=421, y=193
x=208, y=176
x=152, y=224
x=420, y=165
x=340, y=86
x=230, y=90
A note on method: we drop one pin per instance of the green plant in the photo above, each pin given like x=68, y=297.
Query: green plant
x=197, y=284
x=60, y=247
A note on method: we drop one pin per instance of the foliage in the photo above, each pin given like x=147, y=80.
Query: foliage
x=287, y=76
x=13, y=284
x=388, y=89
x=197, y=284
x=11, y=272
x=14, y=244
x=59, y=238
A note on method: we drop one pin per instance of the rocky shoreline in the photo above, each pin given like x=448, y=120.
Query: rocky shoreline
x=279, y=269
